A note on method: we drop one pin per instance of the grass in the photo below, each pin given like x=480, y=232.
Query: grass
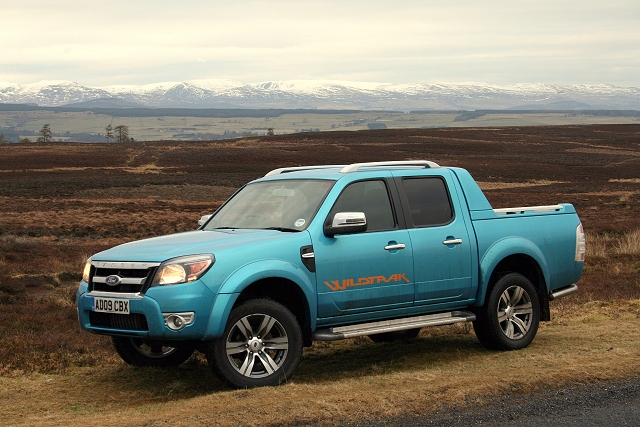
x=601, y=245
x=165, y=128
x=60, y=203
x=336, y=382
x=52, y=373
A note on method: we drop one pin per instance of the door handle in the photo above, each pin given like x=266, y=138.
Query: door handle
x=394, y=247
x=452, y=242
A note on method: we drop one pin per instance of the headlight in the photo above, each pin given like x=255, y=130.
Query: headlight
x=183, y=269
x=87, y=271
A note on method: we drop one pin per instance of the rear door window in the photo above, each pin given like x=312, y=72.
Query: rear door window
x=429, y=201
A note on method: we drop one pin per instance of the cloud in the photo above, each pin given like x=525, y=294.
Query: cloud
x=102, y=43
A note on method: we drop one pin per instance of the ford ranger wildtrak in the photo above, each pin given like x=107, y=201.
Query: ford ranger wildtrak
x=332, y=252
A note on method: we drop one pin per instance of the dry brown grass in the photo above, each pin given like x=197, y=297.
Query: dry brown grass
x=629, y=244
x=338, y=382
x=603, y=245
x=502, y=185
x=73, y=202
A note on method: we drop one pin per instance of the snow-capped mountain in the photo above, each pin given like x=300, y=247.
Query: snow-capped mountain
x=329, y=94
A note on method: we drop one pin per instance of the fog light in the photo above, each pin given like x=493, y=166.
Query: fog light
x=177, y=321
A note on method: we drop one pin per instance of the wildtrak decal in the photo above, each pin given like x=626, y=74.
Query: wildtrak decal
x=336, y=285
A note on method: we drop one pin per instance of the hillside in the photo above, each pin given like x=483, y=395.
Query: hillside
x=312, y=94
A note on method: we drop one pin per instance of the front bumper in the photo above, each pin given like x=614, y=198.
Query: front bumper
x=149, y=311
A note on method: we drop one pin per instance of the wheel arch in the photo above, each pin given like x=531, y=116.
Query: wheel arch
x=515, y=255
x=285, y=292
x=277, y=280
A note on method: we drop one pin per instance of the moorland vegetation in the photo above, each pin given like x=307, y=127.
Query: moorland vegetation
x=62, y=202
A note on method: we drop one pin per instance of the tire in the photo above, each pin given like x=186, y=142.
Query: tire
x=143, y=352
x=261, y=345
x=510, y=316
x=405, y=335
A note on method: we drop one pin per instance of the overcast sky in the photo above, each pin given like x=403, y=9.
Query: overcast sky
x=101, y=43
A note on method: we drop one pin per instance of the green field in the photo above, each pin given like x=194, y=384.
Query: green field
x=28, y=123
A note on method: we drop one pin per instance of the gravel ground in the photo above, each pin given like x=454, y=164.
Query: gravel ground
x=602, y=404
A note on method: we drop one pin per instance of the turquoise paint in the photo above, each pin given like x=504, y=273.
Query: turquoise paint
x=366, y=282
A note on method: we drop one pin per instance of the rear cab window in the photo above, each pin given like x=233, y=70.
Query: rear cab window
x=428, y=201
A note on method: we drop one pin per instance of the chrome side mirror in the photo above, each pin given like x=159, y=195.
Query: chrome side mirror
x=203, y=220
x=346, y=223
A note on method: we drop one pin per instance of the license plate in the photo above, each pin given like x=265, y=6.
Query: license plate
x=111, y=305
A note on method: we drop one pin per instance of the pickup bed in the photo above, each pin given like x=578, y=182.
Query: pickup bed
x=332, y=252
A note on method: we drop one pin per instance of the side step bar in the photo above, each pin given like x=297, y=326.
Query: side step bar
x=343, y=332
x=559, y=293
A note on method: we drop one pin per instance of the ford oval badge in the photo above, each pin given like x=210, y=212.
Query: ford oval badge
x=113, y=280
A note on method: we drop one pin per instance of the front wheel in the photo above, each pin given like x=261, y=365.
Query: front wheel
x=261, y=345
x=510, y=316
x=144, y=352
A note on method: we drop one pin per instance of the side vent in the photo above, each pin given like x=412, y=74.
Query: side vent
x=308, y=258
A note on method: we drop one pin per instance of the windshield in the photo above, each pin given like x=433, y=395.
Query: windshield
x=287, y=205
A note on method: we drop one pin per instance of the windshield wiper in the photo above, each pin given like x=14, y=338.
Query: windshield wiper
x=225, y=228
x=285, y=229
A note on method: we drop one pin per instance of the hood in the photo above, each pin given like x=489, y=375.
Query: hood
x=159, y=249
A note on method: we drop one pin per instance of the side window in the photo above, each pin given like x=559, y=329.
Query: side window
x=370, y=197
x=428, y=200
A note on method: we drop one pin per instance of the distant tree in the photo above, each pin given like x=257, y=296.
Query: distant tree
x=3, y=140
x=270, y=131
x=45, y=134
x=108, y=132
x=24, y=140
x=122, y=133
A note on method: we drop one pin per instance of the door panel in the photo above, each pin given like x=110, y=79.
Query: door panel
x=440, y=240
x=365, y=271
x=356, y=273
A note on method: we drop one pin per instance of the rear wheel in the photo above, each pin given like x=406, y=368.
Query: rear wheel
x=261, y=345
x=143, y=352
x=511, y=314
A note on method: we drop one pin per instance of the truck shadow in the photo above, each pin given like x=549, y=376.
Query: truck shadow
x=325, y=362
x=361, y=357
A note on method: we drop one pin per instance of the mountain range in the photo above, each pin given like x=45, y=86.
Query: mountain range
x=325, y=94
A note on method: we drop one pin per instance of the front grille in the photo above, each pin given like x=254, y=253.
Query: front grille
x=133, y=321
x=132, y=277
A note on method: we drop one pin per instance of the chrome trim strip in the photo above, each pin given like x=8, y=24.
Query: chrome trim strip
x=123, y=295
x=549, y=208
x=357, y=166
x=343, y=332
x=123, y=280
x=559, y=293
x=397, y=246
x=187, y=316
x=301, y=168
x=125, y=265
x=452, y=242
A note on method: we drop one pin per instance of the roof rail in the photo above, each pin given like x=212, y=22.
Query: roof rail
x=357, y=166
x=421, y=163
x=301, y=168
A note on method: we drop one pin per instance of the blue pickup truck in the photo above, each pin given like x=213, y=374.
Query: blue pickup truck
x=332, y=252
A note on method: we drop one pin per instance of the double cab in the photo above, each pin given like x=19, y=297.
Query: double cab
x=331, y=252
